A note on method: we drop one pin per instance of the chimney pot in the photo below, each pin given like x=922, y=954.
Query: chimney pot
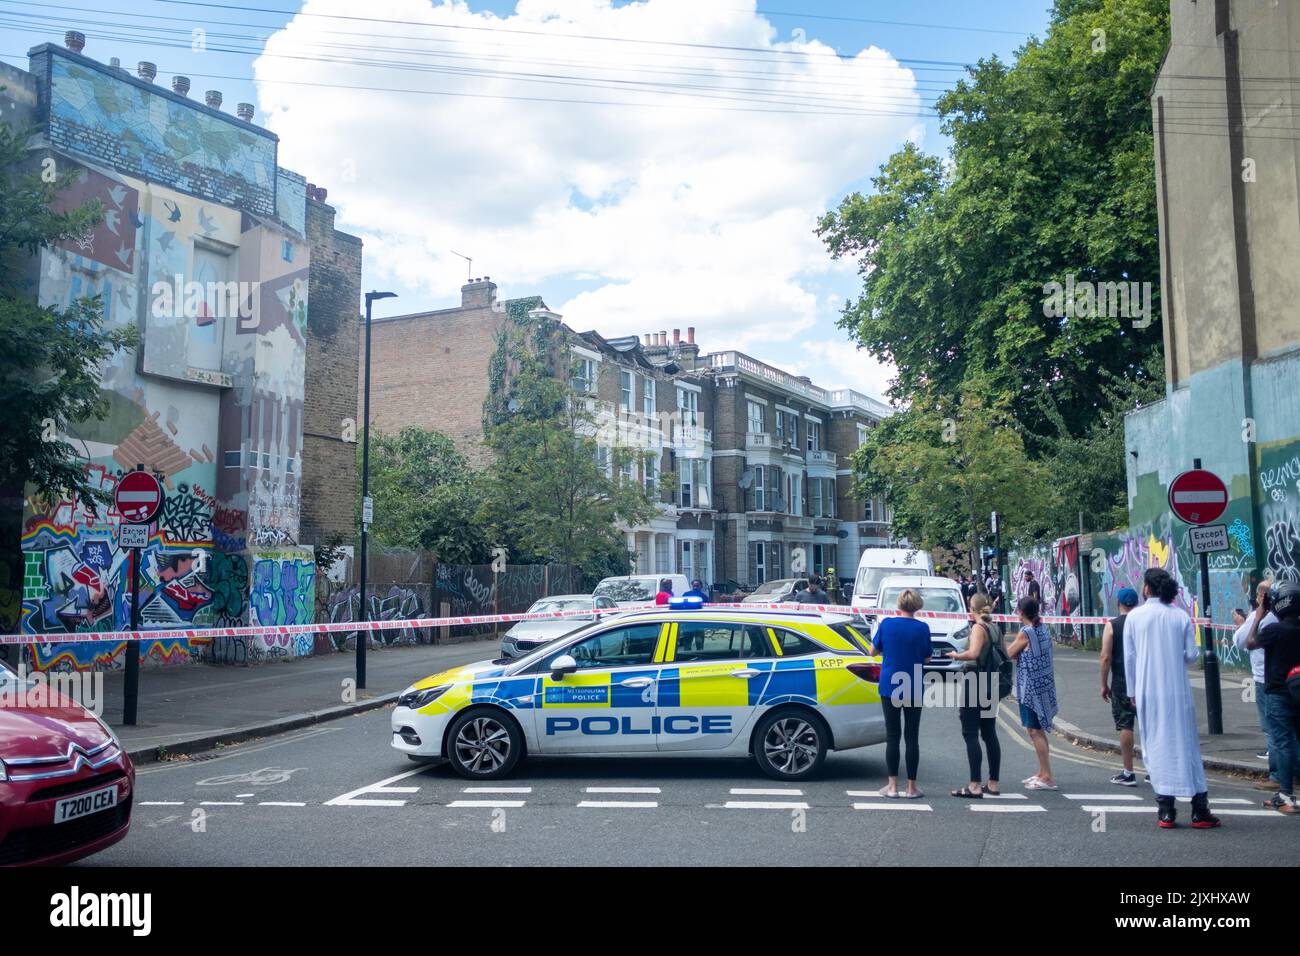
x=213, y=99
x=146, y=70
x=645, y=339
x=321, y=193
x=663, y=336
x=181, y=84
x=245, y=112
x=677, y=336
x=74, y=41
x=690, y=334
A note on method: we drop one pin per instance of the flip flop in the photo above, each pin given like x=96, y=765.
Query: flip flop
x=911, y=796
x=966, y=793
x=1037, y=784
x=886, y=792
x=1030, y=779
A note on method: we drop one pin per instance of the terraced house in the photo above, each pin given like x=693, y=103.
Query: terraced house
x=759, y=480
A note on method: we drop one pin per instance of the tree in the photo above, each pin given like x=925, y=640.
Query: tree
x=548, y=495
x=426, y=496
x=51, y=363
x=946, y=465
x=1050, y=176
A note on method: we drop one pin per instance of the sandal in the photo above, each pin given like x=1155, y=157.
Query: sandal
x=966, y=793
x=1030, y=779
x=911, y=796
x=1037, y=784
x=991, y=792
x=886, y=792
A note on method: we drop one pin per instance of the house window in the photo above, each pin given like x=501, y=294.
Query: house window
x=205, y=329
x=688, y=406
x=651, y=474
x=695, y=561
x=780, y=424
x=868, y=510
x=759, y=497
x=584, y=375
x=814, y=430
x=755, y=418
x=232, y=459
x=648, y=398
x=625, y=389
x=760, y=562
x=693, y=481
x=602, y=460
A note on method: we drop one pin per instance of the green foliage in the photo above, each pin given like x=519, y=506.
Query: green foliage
x=1051, y=175
x=547, y=498
x=50, y=366
x=426, y=496
x=947, y=464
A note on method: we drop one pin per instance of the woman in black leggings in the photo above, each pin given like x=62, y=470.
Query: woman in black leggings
x=904, y=645
x=979, y=717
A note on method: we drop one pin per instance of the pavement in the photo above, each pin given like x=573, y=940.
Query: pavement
x=1085, y=718
x=192, y=708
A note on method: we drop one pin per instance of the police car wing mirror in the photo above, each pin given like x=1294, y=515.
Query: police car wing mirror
x=564, y=664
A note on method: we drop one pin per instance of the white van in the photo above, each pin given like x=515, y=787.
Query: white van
x=629, y=590
x=878, y=563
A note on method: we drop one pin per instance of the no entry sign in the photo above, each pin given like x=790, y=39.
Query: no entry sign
x=1198, y=496
x=139, y=497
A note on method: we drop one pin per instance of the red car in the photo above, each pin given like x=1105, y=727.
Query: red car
x=65, y=781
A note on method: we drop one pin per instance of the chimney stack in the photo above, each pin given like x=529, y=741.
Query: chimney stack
x=663, y=337
x=645, y=340
x=146, y=71
x=213, y=99
x=677, y=337
x=181, y=85
x=690, y=335
x=245, y=112
x=74, y=41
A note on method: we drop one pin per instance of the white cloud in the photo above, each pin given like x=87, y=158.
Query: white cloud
x=677, y=214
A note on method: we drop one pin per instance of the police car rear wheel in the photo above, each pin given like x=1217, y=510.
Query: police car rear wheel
x=790, y=745
x=483, y=745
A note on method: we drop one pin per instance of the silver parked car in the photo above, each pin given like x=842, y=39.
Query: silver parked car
x=526, y=636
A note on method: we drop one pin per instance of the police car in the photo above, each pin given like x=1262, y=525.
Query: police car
x=782, y=686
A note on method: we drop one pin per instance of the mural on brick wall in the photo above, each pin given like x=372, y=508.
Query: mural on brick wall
x=96, y=112
x=394, y=603
x=153, y=245
x=282, y=591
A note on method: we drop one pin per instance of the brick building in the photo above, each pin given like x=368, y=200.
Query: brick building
x=759, y=458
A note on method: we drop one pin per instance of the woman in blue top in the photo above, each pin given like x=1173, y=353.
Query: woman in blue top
x=904, y=645
x=1035, y=688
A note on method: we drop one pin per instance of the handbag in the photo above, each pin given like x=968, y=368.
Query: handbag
x=1293, y=684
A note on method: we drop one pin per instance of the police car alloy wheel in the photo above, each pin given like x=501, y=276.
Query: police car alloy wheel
x=484, y=745
x=790, y=745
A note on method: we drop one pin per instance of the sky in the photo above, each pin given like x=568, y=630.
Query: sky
x=641, y=166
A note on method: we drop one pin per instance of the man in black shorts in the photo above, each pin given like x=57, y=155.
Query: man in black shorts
x=1114, y=686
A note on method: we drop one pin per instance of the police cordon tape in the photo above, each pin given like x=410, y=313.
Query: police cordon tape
x=347, y=627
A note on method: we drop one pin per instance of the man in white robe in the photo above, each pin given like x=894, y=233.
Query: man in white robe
x=1159, y=644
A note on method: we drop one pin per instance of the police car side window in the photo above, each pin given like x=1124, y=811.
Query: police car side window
x=634, y=644
x=716, y=641
x=793, y=644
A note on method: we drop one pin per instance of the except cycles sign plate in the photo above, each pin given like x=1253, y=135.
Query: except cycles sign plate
x=1198, y=496
x=1209, y=539
x=133, y=535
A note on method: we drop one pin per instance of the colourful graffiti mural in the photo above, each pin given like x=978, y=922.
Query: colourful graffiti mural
x=282, y=591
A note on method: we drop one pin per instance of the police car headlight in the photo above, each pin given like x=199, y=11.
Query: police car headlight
x=415, y=699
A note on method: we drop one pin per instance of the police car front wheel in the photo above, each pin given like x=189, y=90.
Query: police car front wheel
x=484, y=745
x=790, y=745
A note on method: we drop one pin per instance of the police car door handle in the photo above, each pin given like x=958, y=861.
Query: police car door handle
x=747, y=672
x=637, y=682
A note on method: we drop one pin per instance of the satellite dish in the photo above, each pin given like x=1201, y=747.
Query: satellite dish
x=746, y=479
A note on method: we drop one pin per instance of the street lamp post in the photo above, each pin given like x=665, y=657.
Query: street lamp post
x=363, y=638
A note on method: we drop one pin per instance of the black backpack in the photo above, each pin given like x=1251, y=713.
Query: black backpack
x=997, y=662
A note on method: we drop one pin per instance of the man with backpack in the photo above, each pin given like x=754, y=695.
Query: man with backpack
x=1114, y=686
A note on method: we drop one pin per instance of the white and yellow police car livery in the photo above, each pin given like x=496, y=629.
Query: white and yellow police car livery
x=783, y=686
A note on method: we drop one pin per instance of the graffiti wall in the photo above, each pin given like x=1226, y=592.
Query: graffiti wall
x=202, y=245
x=282, y=591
